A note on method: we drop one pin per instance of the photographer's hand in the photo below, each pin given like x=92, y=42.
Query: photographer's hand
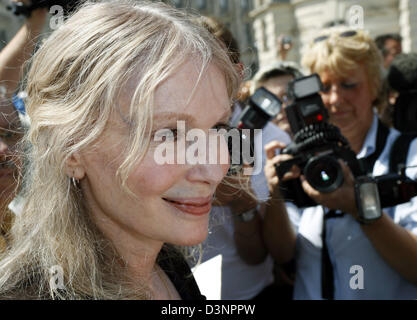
x=278, y=233
x=270, y=170
x=342, y=198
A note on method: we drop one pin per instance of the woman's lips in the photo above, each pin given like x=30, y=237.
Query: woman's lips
x=338, y=114
x=194, y=206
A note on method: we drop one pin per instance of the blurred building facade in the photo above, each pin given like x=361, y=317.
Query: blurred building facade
x=302, y=19
x=256, y=24
x=235, y=15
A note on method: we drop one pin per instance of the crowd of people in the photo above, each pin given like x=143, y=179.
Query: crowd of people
x=82, y=188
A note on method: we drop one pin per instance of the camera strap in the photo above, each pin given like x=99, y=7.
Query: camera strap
x=399, y=152
x=327, y=274
x=367, y=165
x=368, y=162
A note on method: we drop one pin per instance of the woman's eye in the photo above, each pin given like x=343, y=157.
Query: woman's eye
x=347, y=85
x=174, y=134
x=224, y=126
x=166, y=134
x=325, y=89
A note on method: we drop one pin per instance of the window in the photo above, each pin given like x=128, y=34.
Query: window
x=224, y=5
x=264, y=36
x=244, y=4
x=177, y=3
x=248, y=31
x=201, y=4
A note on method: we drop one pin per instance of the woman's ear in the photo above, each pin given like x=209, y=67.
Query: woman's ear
x=74, y=167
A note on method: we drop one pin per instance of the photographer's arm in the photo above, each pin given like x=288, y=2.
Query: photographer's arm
x=278, y=232
x=248, y=239
x=19, y=50
x=247, y=234
x=394, y=243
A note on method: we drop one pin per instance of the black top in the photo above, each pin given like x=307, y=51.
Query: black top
x=177, y=269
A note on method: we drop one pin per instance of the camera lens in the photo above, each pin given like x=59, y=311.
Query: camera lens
x=323, y=173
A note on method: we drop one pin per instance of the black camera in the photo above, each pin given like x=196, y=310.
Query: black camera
x=395, y=188
x=262, y=107
x=374, y=193
x=317, y=145
x=19, y=8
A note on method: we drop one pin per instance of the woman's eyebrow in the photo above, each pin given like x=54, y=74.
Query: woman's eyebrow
x=167, y=116
x=173, y=115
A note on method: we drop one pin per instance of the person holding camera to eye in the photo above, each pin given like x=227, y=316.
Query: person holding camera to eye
x=340, y=252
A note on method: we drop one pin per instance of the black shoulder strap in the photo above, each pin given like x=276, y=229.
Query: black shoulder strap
x=399, y=151
x=381, y=139
x=178, y=271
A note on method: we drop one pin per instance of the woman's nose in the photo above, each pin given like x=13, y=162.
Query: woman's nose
x=211, y=174
x=334, y=96
x=216, y=164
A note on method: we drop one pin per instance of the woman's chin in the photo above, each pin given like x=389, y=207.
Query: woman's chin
x=193, y=238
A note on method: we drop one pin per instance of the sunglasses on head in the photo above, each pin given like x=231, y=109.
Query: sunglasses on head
x=344, y=34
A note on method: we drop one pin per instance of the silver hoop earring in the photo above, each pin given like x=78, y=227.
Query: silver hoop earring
x=75, y=182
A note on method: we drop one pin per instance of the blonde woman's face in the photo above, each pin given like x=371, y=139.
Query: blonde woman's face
x=173, y=201
x=348, y=101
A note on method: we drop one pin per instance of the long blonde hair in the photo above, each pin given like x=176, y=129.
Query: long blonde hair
x=73, y=87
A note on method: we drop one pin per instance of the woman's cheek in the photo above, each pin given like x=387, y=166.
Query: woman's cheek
x=153, y=178
x=225, y=169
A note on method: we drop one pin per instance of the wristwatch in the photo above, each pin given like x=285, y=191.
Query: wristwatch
x=248, y=215
x=367, y=200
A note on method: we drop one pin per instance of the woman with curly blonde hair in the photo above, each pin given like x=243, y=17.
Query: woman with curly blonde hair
x=101, y=213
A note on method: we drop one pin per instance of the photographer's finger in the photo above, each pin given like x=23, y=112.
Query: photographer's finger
x=278, y=159
x=294, y=173
x=309, y=190
x=271, y=147
x=347, y=173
